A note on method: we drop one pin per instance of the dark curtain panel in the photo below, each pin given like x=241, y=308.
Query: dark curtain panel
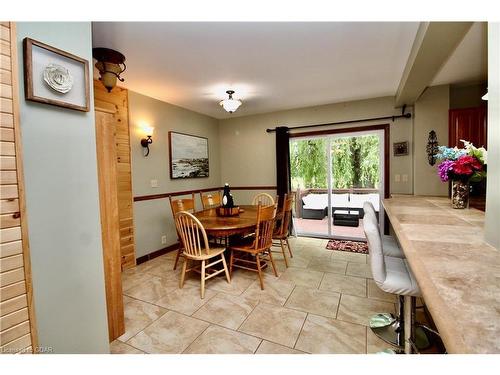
x=283, y=181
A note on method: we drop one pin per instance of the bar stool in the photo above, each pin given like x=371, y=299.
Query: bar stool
x=392, y=275
x=390, y=246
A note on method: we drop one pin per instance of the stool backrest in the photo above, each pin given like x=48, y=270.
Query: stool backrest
x=193, y=235
x=369, y=213
x=377, y=260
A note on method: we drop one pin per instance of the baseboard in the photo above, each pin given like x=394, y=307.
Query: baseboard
x=157, y=253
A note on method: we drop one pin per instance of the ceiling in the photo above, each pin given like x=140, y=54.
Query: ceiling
x=271, y=66
x=469, y=62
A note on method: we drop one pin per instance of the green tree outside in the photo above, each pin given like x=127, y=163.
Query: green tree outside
x=355, y=162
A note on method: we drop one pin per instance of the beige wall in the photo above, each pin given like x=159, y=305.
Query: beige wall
x=153, y=218
x=431, y=113
x=248, y=155
x=493, y=188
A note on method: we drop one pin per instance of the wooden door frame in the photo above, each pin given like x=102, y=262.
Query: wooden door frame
x=111, y=250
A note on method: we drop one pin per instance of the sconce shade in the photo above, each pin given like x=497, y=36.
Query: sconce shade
x=109, y=63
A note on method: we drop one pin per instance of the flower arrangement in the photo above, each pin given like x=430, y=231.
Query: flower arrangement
x=466, y=164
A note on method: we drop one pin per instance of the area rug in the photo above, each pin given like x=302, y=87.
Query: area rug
x=352, y=246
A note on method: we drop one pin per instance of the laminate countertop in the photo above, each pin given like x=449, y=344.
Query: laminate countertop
x=457, y=271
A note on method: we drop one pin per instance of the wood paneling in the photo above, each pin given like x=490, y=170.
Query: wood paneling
x=17, y=316
x=116, y=103
x=110, y=222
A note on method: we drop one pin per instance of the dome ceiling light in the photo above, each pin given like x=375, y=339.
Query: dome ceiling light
x=230, y=104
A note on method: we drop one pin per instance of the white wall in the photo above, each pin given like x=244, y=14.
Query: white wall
x=431, y=113
x=153, y=218
x=248, y=152
x=493, y=181
x=62, y=199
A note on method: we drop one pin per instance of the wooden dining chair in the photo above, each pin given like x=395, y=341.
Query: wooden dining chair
x=257, y=246
x=178, y=205
x=210, y=200
x=281, y=231
x=197, y=248
x=264, y=199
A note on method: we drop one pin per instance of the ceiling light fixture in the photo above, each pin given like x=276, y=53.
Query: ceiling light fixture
x=230, y=104
x=110, y=64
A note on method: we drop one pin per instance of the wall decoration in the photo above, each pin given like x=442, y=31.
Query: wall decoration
x=432, y=147
x=188, y=156
x=400, y=148
x=55, y=77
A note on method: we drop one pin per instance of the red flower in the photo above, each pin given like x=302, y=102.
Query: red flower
x=466, y=165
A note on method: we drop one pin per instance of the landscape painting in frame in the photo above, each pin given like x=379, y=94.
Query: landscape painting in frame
x=188, y=156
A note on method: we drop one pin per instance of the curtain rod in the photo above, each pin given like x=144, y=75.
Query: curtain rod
x=402, y=115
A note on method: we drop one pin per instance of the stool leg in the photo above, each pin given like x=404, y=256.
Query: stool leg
x=408, y=326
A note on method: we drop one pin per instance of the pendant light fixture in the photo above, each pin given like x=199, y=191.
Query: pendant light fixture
x=230, y=104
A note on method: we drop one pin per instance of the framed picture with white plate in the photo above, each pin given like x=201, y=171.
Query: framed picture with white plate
x=53, y=76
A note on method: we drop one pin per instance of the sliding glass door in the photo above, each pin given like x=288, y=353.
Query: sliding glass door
x=332, y=176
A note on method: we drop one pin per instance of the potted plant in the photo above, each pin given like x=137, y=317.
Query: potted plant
x=461, y=166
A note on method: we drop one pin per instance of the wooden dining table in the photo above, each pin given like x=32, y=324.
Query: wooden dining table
x=219, y=226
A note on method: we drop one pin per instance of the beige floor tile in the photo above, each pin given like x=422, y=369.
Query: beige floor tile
x=324, y=335
x=349, y=256
x=138, y=315
x=280, y=268
x=359, y=270
x=172, y=333
x=376, y=293
x=186, y=300
x=333, y=282
x=304, y=277
x=152, y=289
x=226, y=310
x=314, y=301
x=299, y=260
x=162, y=269
x=118, y=347
x=374, y=344
x=133, y=277
x=360, y=310
x=274, y=323
x=275, y=291
x=219, y=340
x=332, y=266
x=267, y=347
x=238, y=284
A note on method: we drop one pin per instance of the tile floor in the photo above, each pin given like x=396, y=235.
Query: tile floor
x=320, y=304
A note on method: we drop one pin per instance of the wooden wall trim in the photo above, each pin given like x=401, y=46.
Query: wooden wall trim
x=187, y=192
x=16, y=280
x=116, y=103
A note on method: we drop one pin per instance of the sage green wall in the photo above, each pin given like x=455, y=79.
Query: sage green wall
x=493, y=181
x=431, y=113
x=248, y=156
x=62, y=199
x=153, y=218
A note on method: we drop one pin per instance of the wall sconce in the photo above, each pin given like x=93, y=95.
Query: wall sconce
x=109, y=63
x=432, y=147
x=145, y=142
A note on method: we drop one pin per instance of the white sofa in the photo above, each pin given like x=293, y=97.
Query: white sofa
x=315, y=206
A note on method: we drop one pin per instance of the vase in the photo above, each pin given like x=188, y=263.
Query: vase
x=459, y=194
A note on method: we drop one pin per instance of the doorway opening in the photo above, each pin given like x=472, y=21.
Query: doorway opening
x=333, y=173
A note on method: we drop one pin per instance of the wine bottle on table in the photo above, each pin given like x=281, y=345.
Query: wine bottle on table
x=227, y=199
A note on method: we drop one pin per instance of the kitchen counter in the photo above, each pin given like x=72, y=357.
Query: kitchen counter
x=457, y=271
